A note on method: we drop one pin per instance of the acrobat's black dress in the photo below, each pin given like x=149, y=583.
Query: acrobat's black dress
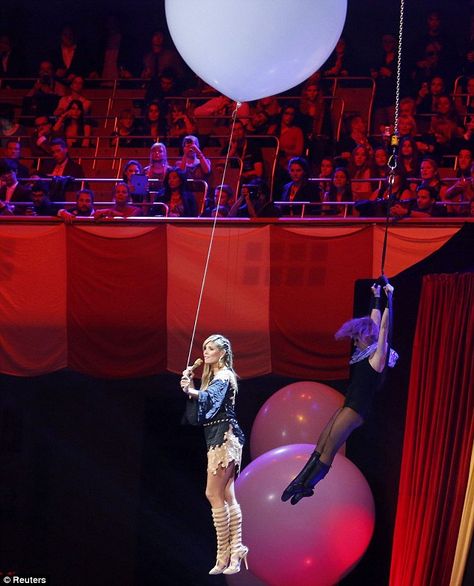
x=364, y=383
x=216, y=412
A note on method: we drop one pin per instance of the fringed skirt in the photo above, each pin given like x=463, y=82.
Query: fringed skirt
x=223, y=445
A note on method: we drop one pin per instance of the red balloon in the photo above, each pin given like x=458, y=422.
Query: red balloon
x=317, y=541
x=296, y=414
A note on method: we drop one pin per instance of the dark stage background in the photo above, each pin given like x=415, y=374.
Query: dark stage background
x=102, y=485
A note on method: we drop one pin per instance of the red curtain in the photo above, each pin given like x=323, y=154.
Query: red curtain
x=117, y=300
x=439, y=434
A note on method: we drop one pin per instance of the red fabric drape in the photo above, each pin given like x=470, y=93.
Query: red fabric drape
x=117, y=301
x=438, y=435
x=311, y=295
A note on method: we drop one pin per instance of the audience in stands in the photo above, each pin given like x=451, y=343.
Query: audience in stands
x=299, y=189
x=340, y=190
x=72, y=125
x=180, y=201
x=84, y=207
x=122, y=207
x=13, y=157
x=179, y=110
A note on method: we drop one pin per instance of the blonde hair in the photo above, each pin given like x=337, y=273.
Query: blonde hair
x=227, y=359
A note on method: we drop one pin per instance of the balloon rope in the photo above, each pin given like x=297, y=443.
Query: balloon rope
x=211, y=239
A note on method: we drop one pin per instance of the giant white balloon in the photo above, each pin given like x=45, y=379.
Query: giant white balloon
x=318, y=541
x=250, y=49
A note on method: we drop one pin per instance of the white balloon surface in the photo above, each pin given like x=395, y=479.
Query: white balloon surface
x=250, y=49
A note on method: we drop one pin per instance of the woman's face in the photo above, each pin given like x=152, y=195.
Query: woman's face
x=158, y=153
x=427, y=170
x=380, y=157
x=296, y=172
x=77, y=84
x=407, y=148
x=312, y=92
x=174, y=180
x=132, y=170
x=153, y=113
x=360, y=157
x=340, y=179
x=444, y=105
x=212, y=354
x=121, y=194
x=326, y=168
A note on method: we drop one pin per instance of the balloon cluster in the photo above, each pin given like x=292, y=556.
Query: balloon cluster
x=321, y=539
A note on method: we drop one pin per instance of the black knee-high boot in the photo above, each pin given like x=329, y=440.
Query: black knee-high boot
x=318, y=473
x=297, y=484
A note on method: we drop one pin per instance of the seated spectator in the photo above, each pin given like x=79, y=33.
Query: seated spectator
x=158, y=166
x=259, y=123
x=84, y=207
x=340, y=190
x=428, y=94
x=408, y=156
x=461, y=191
x=312, y=109
x=130, y=169
x=70, y=57
x=222, y=107
x=299, y=188
x=11, y=61
x=337, y=65
x=44, y=96
x=42, y=137
x=74, y=92
x=9, y=125
x=252, y=201
x=445, y=126
x=380, y=162
x=290, y=136
x=155, y=122
x=180, y=201
x=407, y=126
x=248, y=151
x=360, y=167
x=425, y=207
x=326, y=169
x=127, y=132
x=72, y=125
x=429, y=175
x=407, y=106
x=179, y=121
x=122, y=207
x=220, y=201
x=11, y=191
x=61, y=164
x=383, y=72
x=160, y=58
x=13, y=156
x=193, y=162
x=166, y=85
x=42, y=205
x=390, y=194
x=464, y=161
x=356, y=136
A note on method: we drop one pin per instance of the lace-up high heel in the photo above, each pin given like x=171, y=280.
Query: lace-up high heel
x=238, y=551
x=221, y=523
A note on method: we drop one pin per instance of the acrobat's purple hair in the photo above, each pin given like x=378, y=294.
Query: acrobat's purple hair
x=363, y=327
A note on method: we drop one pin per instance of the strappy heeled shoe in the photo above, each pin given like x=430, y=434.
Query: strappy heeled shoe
x=236, y=559
x=221, y=523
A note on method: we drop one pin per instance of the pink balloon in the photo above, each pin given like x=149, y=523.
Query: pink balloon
x=296, y=414
x=317, y=541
